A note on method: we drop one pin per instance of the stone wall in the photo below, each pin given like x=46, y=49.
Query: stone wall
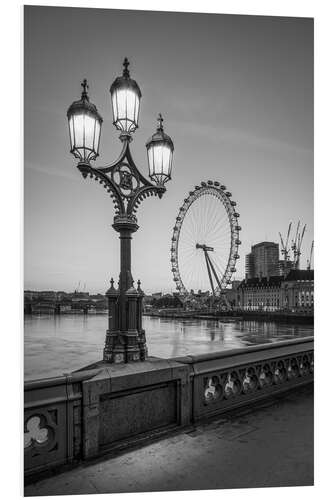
x=105, y=407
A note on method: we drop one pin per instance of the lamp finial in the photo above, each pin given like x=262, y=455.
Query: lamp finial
x=160, y=123
x=85, y=88
x=125, y=70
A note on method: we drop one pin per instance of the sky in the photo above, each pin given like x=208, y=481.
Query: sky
x=236, y=93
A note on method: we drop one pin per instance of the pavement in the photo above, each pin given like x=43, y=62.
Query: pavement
x=269, y=446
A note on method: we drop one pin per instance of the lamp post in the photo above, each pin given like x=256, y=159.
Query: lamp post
x=125, y=338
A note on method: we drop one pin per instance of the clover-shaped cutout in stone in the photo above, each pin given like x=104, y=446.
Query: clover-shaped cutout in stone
x=35, y=432
x=265, y=377
x=233, y=385
x=304, y=367
x=293, y=370
x=279, y=373
x=213, y=389
x=250, y=381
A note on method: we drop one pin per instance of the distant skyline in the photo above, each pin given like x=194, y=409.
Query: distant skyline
x=236, y=93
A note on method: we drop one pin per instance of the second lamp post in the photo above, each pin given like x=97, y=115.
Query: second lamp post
x=125, y=337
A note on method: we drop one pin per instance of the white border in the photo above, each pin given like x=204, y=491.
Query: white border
x=12, y=230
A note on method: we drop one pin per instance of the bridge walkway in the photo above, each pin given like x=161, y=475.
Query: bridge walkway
x=271, y=445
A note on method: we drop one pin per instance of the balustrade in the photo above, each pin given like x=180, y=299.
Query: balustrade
x=65, y=417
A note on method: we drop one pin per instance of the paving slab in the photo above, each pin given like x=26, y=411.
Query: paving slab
x=268, y=446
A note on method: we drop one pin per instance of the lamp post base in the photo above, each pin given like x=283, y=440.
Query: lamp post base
x=124, y=348
x=125, y=339
x=128, y=345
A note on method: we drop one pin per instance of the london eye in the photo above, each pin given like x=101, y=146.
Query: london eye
x=205, y=241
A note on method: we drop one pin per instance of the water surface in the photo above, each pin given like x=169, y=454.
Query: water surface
x=54, y=345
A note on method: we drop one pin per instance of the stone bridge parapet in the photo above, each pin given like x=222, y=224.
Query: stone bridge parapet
x=105, y=407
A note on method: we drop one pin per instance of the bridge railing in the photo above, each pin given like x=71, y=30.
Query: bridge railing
x=53, y=421
x=226, y=380
x=105, y=407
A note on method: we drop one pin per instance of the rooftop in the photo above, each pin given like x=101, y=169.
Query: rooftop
x=300, y=274
x=264, y=281
x=293, y=275
x=265, y=243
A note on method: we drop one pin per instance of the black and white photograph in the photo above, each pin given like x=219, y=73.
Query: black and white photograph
x=168, y=250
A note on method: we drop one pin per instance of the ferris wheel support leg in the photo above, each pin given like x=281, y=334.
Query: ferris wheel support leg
x=215, y=273
x=208, y=263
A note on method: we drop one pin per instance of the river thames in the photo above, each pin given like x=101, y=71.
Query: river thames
x=54, y=345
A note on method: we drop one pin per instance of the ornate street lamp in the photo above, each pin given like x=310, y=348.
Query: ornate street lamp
x=160, y=151
x=125, y=338
x=84, y=124
x=125, y=99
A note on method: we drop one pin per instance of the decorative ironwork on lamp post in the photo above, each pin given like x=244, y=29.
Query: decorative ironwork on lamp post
x=125, y=338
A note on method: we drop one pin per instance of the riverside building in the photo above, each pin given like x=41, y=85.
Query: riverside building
x=263, y=260
x=294, y=293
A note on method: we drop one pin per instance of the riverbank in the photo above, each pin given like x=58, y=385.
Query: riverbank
x=277, y=316
x=69, y=312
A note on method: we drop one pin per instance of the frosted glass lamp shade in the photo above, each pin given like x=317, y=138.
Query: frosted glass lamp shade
x=160, y=155
x=85, y=125
x=125, y=101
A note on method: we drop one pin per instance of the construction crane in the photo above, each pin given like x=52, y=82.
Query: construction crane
x=284, y=245
x=294, y=244
x=297, y=252
x=310, y=258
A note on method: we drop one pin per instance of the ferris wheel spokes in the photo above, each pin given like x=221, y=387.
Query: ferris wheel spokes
x=205, y=240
